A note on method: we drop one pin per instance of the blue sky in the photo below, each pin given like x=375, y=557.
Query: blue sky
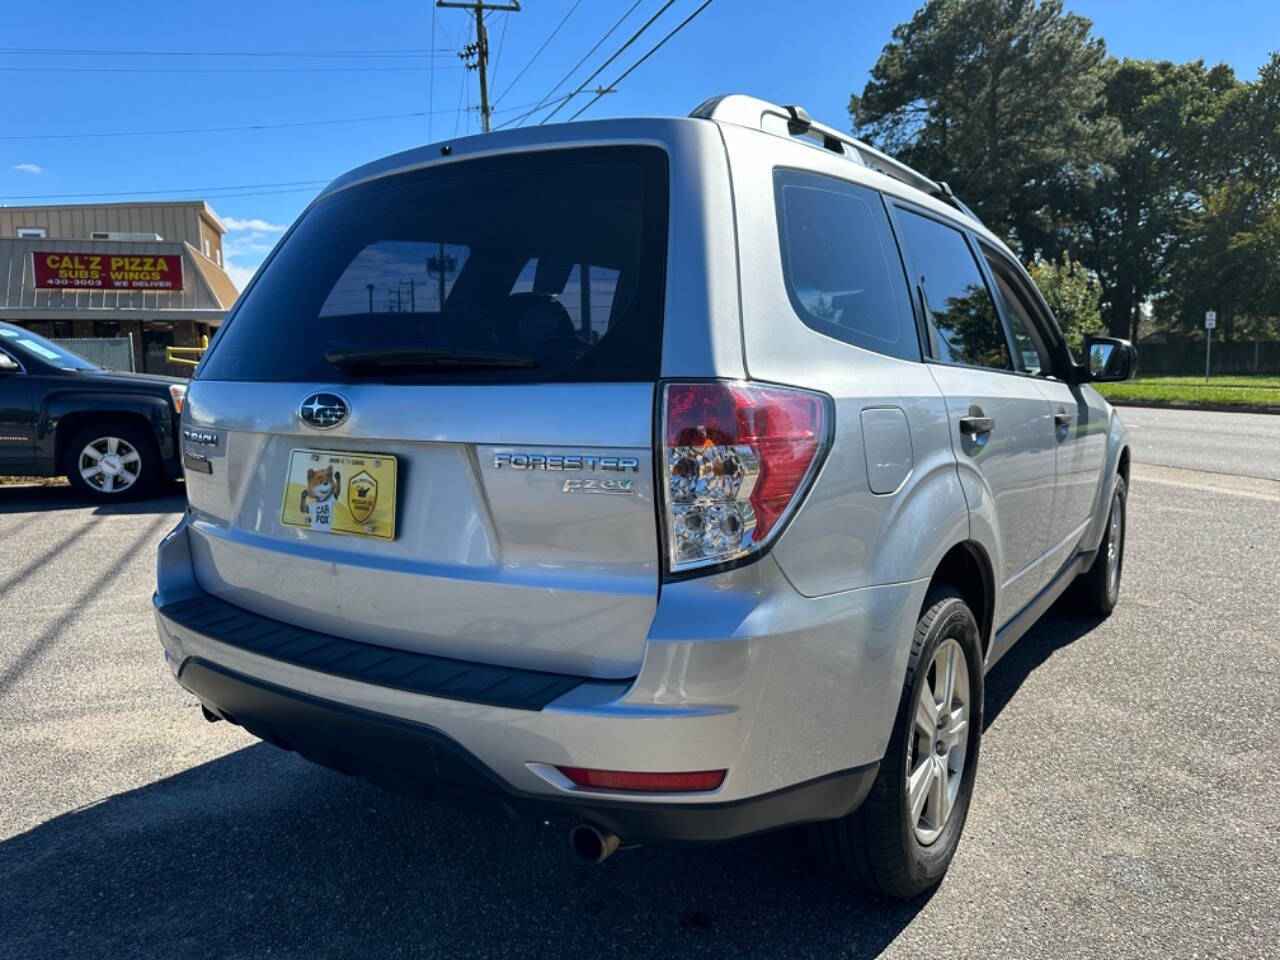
x=815, y=53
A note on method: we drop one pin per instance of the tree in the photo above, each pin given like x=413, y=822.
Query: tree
x=1132, y=221
x=1004, y=100
x=1230, y=261
x=1073, y=296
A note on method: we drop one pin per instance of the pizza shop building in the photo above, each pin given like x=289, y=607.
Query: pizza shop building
x=152, y=272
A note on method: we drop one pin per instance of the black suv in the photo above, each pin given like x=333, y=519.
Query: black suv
x=113, y=434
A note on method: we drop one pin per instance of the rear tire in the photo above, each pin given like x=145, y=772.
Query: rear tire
x=1098, y=588
x=112, y=462
x=888, y=846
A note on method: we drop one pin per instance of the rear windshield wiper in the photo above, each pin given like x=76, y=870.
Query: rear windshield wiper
x=414, y=359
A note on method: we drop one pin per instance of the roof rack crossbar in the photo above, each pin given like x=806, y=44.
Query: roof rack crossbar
x=751, y=112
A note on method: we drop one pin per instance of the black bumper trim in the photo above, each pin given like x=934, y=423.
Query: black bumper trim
x=421, y=760
x=384, y=666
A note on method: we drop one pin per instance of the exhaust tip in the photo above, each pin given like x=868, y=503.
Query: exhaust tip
x=592, y=844
x=209, y=714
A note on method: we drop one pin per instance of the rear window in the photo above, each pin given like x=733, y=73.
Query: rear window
x=534, y=267
x=841, y=263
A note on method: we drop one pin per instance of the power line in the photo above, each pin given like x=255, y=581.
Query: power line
x=462, y=87
x=502, y=39
x=431, y=82
x=299, y=184
x=288, y=125
x=431, y=51
x=219, y=69
x=654, y=49
x=617, y=53
x=546, y=100
x=480, y=48
x=538, y=52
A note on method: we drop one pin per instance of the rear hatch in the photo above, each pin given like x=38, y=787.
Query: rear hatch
x=429, y=422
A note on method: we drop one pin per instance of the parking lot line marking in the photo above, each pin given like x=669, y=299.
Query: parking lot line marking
x=1233, y=485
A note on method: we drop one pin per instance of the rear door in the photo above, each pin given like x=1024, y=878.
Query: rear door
x=1001, y=428
x=429, y=423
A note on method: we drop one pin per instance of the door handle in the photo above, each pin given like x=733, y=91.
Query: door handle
x=1062, y=419
x=973, y=426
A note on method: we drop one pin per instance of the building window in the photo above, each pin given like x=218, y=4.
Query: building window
x=217, y=256
x=52, y=329
x=35, y=233
x=106, y=328
x=206, y=247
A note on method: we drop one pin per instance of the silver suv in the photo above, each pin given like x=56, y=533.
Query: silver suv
x=681, y=477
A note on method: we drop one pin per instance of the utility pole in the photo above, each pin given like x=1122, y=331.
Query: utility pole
x=480, y=49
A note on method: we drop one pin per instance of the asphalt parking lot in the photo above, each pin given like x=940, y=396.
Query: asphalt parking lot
x=1128, y=800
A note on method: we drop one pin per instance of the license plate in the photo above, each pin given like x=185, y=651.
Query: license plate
x=348, y=493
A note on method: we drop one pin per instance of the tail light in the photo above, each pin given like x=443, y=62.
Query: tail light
x=736, y=458
x=178, y=394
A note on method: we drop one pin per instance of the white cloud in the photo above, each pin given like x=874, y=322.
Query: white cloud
x=239, y=275
x=253, y=223
x=27, y=168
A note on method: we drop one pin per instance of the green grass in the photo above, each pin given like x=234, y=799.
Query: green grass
x=1239, y=391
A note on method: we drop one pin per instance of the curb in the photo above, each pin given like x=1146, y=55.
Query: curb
x=1204, y=407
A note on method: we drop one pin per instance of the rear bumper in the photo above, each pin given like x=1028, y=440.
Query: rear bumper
x=794, y=696
x=418, y=759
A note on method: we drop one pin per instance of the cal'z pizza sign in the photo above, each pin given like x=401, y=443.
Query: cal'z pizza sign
x=101, y=271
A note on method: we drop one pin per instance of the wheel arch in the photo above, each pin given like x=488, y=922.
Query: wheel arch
x=70, y=424
x=967, y=568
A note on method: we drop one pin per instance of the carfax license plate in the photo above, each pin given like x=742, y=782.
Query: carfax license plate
x=349, y=493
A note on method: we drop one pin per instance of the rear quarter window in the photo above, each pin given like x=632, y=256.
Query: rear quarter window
x=841, y=265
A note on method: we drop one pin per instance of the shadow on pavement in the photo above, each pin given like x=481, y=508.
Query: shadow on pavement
x=1057, y=629
x=259, y=853
x=170, y=498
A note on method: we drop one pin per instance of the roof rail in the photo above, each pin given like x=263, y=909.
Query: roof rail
x=794, y=121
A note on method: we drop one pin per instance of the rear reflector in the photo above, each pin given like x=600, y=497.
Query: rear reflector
x=736, y=458
x=651, y=782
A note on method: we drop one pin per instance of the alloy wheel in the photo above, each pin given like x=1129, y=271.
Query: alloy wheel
x=939, y=742
x=109, y=464
x=1115, y=545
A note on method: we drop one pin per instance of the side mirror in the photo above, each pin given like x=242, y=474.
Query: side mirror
x=8, y=364
x=1109, y=360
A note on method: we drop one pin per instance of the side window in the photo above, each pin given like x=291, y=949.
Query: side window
x=1032, y=357
x=961, y=317
x=841, y=265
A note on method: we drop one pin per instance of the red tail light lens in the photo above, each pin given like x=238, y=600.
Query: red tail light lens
x=649, y=782
x=736, y=457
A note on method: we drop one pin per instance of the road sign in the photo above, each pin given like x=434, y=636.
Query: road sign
x=1210, y=321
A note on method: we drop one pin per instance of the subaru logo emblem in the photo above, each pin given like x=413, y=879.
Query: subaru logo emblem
x=324, y=410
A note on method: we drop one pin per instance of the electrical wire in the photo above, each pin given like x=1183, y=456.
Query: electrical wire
x=656, y=47
x=431, y=51
x=220, y=69
x=249, y=126
x=617, y=53
x=502, y=39
x=431, y=83
x=462, y=88
x=546, y=100
x=538, y=52
x=298, y=184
